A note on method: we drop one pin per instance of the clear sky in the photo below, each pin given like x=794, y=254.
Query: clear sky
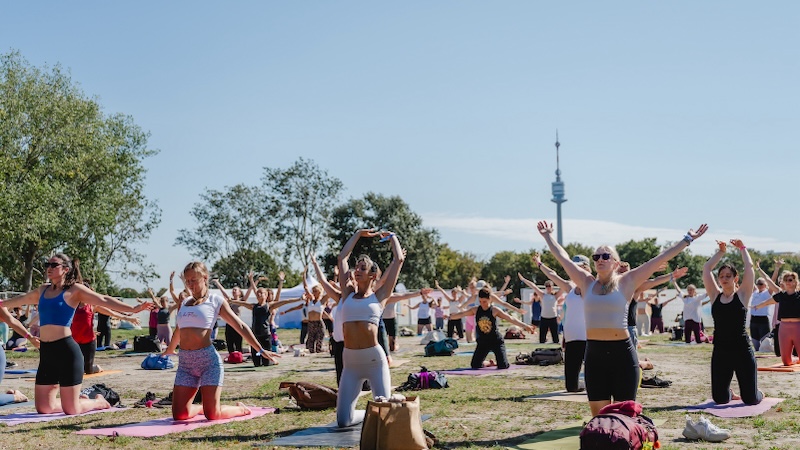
x=669, y=114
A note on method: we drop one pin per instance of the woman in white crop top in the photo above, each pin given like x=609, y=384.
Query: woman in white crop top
x=360, y=311
x=199, y=365
x=612, y=365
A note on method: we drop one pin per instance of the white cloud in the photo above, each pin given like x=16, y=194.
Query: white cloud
x=490, y=235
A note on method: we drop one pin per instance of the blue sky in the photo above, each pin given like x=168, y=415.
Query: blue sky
x=670, y=114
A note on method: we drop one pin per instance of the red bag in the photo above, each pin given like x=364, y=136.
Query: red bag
x=234, y=358
x=619, y=426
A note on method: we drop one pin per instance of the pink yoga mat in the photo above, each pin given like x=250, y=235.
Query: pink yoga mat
x=161, y=427
x=16, y=419
x=480, y=372
x=735, y=408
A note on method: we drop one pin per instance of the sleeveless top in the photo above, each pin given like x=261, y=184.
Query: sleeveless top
x=424, y=311
x=486, y=324
x=163, y=316
x=549, y=306
x=656, y=310
x=315, y=306
x=605, y=311
x=83, y=324
x=261, y=319
x=203, y=315
x=55, y=311
x=729, y=319
x=574, y=318
x=367, y=309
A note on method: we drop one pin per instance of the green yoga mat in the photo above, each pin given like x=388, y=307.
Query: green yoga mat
x=562, y=438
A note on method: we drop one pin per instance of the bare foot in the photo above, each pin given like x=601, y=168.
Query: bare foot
x=735, y=396
x=101, y=402
x=245, y=409
x=19, y=397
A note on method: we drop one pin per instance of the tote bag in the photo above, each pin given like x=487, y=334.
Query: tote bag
x=393, y=426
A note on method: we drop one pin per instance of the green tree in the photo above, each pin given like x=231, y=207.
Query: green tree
x=232, y=270
x=507, y=263
x=391, y=213
x=234, y=220
x=638, y=252
x=454, y=268
x=302, y=198
x=72, y=177
x=549, y=260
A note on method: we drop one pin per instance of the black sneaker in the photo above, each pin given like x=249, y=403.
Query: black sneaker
x=149, y=397
x=10, y=364
x=165, y=402
x=655, y=382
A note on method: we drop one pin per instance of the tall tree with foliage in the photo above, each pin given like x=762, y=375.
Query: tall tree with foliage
x=232, y=221
x=454, y=268
x=302, y=198
x=391, y=213
x=73, y=178
x=232, y=270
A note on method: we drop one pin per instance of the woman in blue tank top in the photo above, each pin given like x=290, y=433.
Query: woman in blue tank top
x=611, y=369
x=61, y=360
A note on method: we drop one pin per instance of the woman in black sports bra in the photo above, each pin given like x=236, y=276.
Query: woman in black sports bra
x=732, y=350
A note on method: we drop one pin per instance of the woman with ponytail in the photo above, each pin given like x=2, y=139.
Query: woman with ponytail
x=61, y=361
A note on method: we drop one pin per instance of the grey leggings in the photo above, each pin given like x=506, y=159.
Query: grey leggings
x=363, y=364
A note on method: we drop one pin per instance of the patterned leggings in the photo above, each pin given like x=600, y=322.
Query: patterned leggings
x=316, y=331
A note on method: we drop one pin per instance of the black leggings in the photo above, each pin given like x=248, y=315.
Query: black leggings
x=741, y=361
x=759, y=327
x=482, y=349
x=550, y=324
x=611, y=370
x=337, y=348
x=234, y=340
x=104, y=331
x=266, y=341
x=574, y=353
x=455, y=326
x=88, y=351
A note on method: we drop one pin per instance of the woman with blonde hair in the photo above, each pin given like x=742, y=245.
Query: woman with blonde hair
x=61, y=361
x=199, y=364
x=612, y=364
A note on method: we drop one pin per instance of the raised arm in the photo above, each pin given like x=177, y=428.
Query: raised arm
x=281, y=278
x=444, y=294
x=31, y=298
x=771, y=286
x=393, y=271
x=344, y=257
x=748, y=275
x=506, y=280
x=710, y=283
x=576, y=274
x=503, y=315
x=530, y=284
x=172, y=287
x=222, y=289
x=639, y=275
x=329, y=288
x=394, y=298
x=498, y=300
x=779, y=262
x=661, y=279
x=562, y=284
x=86, y=295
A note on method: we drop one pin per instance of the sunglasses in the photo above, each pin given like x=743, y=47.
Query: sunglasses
x=52, y=265
x=605, y=256
x=788, y=280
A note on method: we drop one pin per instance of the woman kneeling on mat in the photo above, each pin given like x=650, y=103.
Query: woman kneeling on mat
x=488, y=337
x=199, y=365
x=732, y=350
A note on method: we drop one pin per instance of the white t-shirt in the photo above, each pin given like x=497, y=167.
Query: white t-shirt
x=691, y=307
x=574, y=318
x=759, y=298
x=549, y=306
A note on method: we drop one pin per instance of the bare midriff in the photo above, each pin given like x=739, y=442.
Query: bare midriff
x=51, y=333
x=790, y=319
x=606, y=334
x=314, y=316
x=194, y=338
x=360, y=335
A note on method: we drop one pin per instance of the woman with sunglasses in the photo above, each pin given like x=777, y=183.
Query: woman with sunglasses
x=788, y=301
x=612, y=364
x=732, y=350
x=61, y=361
x=360, y=310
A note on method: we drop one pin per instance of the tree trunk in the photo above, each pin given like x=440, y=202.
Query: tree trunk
x=30, y=255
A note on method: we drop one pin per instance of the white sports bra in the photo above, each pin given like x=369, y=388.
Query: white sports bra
x=367, y=309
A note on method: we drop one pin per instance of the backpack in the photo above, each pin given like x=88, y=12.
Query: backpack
x=219, y=344
x=514, y=332
x=445, y=347
x=311, y=395
x=547, y=356
x=109, y=394
x=425, y=379
x=767, y=344
x=146, y=344
x=155, y=361
x=619, y=426
x=234, y=358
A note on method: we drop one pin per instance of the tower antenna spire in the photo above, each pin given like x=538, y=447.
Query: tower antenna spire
x=558, y=193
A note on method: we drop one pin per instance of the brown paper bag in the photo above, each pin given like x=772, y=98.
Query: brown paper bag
x=393, y=426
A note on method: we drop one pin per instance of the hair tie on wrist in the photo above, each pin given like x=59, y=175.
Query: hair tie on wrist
x=688, y=239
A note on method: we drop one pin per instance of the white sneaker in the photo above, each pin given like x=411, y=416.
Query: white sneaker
x=688, y=431
x=710, y=432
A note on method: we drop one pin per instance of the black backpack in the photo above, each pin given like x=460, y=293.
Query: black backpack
x=146, y=344
x=109, y=394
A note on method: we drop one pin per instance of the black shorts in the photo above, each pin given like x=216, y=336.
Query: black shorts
x=391, y=327
x=536, y=322
x=424, y=321
x=60, y=362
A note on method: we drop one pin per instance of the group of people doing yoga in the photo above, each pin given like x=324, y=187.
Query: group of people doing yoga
x=595, y=318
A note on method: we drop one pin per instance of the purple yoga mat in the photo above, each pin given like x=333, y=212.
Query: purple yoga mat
x=30, y=417
x=480, y=372
x=161, y=427
x=735, y=408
